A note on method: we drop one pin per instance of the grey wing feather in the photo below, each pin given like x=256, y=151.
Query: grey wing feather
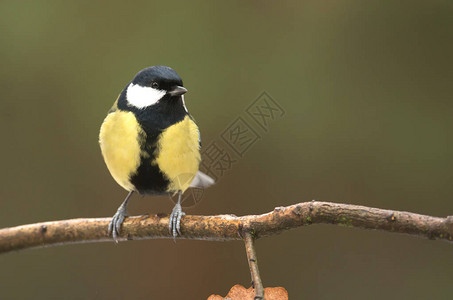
x=201, y=180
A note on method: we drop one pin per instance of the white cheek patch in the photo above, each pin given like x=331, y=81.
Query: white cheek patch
x=184, y=103
x=141, y=97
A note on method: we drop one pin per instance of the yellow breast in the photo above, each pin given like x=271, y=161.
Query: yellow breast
x=179, y=154
x=119, y=140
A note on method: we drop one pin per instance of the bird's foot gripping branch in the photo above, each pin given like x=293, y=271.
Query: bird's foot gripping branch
x=228, y=227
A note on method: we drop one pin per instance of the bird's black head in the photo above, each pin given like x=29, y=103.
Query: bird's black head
x=155, y=85
x=159, y=78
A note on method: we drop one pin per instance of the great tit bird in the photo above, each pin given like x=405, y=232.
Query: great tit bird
x=150, y=142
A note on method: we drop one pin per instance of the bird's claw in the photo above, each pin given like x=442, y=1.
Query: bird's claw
x=115, y=224
x=174, y=223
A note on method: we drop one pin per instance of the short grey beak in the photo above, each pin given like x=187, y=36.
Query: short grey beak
x=178, y=91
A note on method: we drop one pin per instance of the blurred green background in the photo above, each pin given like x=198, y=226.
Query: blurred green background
x=367, y=89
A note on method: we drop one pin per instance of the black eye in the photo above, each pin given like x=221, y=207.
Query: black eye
x=154, y=85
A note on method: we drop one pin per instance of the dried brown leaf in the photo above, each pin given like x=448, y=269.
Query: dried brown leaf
x=238, y=292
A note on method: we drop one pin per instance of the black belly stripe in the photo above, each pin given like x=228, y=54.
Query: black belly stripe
x=149, y=179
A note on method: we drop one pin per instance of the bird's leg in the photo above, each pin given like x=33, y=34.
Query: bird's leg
x=174, y=223
x=118, y=218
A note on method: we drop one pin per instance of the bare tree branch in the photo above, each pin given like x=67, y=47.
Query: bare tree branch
x=227, y=227
x=253, y=265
